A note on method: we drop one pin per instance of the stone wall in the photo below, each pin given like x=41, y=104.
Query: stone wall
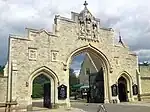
x=144, y=70
x=145, y=78
x=145, y=85
x=42, y=51
x=3, y=89
x=87, y=64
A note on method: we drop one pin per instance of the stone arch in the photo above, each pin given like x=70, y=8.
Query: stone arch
x=126, y=75
x=90, y=48
x=50, y=75
x=46, y=70
x=105, y=64
x=129, y=80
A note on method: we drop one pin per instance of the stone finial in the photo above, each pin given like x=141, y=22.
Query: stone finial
x=120, y=40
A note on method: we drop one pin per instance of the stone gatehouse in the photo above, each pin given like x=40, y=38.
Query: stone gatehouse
x=50, y=53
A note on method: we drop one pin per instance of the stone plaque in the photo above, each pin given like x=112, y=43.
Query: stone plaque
x=62, y=92
x=114, y=89
x=135, y=89
x=32, y=53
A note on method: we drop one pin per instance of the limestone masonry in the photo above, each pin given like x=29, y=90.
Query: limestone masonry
x=50, y=53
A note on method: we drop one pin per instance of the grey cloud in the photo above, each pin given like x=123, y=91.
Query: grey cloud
x=144, y=55
x=107, y=20
x=131, y=19
x=16, y=24
x=76, y=64
x=134, y=26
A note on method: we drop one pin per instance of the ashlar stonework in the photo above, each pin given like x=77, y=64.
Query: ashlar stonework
x=50, y=53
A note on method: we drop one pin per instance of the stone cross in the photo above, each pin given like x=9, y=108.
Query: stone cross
x=85, y=4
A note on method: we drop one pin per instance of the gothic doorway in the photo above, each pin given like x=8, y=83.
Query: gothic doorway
x=41, y=92
x=93, y=75
x=122, y=89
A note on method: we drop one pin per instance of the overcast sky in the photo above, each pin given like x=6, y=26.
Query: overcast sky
x=130, y=17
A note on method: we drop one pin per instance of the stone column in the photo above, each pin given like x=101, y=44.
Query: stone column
x=106, y=100
x=9, y=81
x=138, y=80
x=118, y=100
x=66, y=72
x=139, y=85
x=68, y=91
x=9, y=72
x=130, y=94
x=14, y=75
x=109, y=85
x=29, y=86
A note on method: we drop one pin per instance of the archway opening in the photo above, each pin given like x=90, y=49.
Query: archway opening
x=86, y=78
x=122, y=89
x=41, y=91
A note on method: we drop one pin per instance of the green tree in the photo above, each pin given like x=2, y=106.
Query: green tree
x=72, y=77
x=1, y=70
x=146, y=63
x=73, y=80
x=37, y=91
x=41, y=79
x=38, y=86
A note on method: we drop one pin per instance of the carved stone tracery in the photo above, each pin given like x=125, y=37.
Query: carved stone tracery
x=88, y=28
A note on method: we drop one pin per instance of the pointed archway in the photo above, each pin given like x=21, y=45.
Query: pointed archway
x=122, y=89
x=41, y=90
x=125, y=82
x=105, y=64
x=52, y=86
